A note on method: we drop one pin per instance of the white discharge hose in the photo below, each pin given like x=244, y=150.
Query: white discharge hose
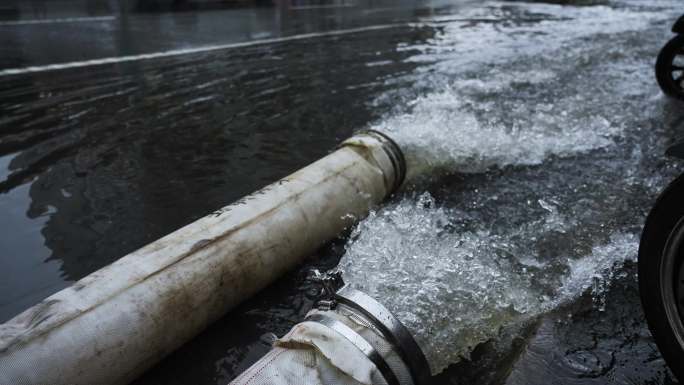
x=112, y=325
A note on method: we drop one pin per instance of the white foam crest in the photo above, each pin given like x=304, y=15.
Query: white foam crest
x=478, y=114
x=535, y=29
x=596, y=271
x=508, y=90
x=455, y=289
x=446, y=131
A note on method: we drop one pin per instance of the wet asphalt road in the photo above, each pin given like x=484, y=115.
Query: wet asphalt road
x=100, y=160
x=117, y=137
x=97, y=160
x=54, y=36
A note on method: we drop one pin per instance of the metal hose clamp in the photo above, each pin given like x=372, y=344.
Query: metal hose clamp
x=391, y=328
x=389, y=147
x=395, y=154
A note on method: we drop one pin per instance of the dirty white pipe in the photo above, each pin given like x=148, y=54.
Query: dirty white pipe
x=112, y=325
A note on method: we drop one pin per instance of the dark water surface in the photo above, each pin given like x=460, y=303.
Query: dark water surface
x=79, y=30
x=98, y=161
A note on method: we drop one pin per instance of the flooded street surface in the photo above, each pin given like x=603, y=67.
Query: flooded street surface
x=535, y=133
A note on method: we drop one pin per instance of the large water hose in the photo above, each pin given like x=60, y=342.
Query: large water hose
x=348, y=339
x=114, y=324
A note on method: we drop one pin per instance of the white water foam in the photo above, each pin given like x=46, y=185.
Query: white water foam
x=526, y=84
x=463, y=123
x=455, y=289
x=444, y=132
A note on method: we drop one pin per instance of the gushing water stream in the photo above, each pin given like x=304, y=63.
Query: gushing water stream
x=564, y=169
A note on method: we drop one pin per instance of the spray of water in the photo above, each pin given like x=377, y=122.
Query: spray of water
x=455, y=288
x=495, y=92
x=522, y=85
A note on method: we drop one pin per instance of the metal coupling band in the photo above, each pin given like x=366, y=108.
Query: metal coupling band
x=391, y=328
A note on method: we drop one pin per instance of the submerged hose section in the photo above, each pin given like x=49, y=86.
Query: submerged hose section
x=112, y=325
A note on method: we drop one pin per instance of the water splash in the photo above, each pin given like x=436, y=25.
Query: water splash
x=498, y=91
x=446, y=131
x=596, y=271
x=454, y=288
x=479, y=103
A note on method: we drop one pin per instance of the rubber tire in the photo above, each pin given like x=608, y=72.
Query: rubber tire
x=668, y=210
x=662, y=67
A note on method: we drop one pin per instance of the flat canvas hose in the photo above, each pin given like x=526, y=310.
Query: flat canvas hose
x=348, y=338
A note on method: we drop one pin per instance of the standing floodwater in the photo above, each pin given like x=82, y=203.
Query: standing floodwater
x=535, y=134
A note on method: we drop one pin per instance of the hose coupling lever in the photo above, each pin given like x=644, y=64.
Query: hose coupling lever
x=330, y=282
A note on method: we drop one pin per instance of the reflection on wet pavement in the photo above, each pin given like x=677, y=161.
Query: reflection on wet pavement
x=110, y=31
x=129, y=154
